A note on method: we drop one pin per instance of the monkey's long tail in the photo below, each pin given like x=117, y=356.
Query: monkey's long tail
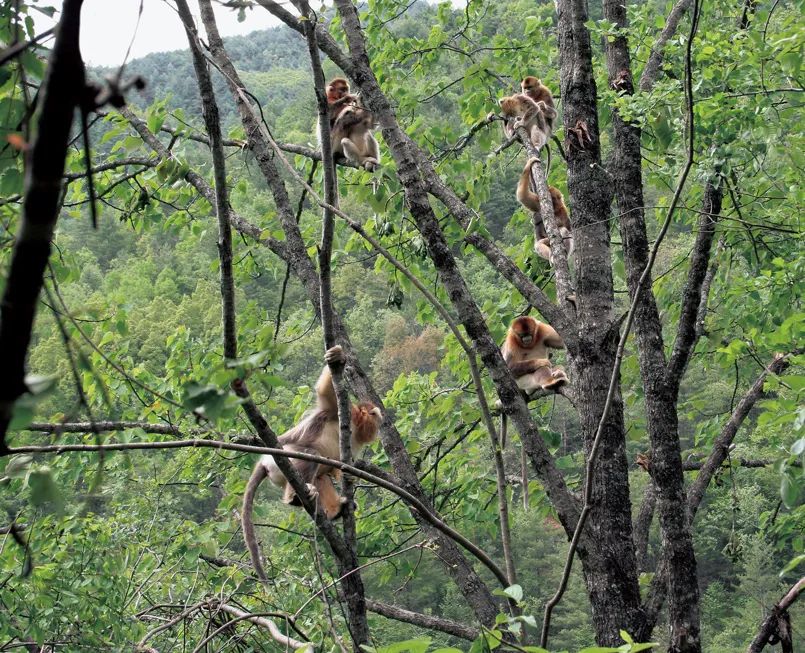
x=249, y=536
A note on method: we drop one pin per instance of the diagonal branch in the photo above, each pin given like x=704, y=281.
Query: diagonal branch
x=430, y=622
x=240, y=224
x=427, y=513
x=325, y=40
x=652, y=70
x=721, y=447
x=777, y=625
x=723, y=442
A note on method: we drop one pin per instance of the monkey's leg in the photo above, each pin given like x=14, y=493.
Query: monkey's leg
x=352, y=152
x=329, y=499
x=552, y=379
x=307, y=470
x=531, y=382
x=543, y=248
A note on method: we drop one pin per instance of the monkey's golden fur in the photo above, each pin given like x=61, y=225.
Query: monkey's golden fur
x=530, y=200
x=526, y=353
x=317, y=434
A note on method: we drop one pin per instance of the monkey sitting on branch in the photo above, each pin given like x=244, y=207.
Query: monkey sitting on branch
x=317, y=434
x=351, y=126
x=526, y=353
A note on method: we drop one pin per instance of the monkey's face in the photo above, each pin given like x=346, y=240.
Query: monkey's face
x=337, y=89
x=524, y=329
x=530, y=84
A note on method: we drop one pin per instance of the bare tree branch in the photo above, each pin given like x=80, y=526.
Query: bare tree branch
x=723, y=442
x=778, y=623
x=423, y=510
x=652, y=70
x=692, y=297
x=721, y=447
x=423, y=620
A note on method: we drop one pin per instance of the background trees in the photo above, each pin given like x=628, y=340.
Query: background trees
x=121, y=541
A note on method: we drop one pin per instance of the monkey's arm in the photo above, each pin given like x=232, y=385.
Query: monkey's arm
x=527, y=367
x=325, y=393
x=524, y=194
x=550, y=337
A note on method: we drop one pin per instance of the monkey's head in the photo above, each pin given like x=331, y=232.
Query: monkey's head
x=337, y=88
x=509, y=105
x=366, y=418
x=524, y=330
x=530, y=84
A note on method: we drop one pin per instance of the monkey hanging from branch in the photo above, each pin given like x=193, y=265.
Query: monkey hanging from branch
x=317, y=433
x=530, y=200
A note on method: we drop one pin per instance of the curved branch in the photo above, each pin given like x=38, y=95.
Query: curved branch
x=409, y=498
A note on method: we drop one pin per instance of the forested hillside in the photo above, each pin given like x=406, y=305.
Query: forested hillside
x=177, y=337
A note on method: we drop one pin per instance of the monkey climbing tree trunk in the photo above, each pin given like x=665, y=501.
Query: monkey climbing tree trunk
x=62, y=92
x=349, y=567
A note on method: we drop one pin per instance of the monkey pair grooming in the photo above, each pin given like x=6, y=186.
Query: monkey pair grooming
x=317, y=434
x=530, y=200
x=526, y=353
x=351, y=127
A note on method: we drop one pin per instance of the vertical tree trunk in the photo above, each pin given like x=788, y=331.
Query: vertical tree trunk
x=661, y=415
x=610, y=568
x=63, y=90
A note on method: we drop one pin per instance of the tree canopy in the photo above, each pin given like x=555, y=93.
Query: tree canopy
x=176, y=259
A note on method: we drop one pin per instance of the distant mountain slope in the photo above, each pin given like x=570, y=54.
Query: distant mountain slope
x=272, y=60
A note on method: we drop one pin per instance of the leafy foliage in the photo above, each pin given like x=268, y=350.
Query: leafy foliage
x=122, y=541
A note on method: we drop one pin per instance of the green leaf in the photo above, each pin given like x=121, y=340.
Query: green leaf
x=17, y=466
x=11, y=182
x=155, y=122
x=789, y=489
x=792, y=564
x=44, y=492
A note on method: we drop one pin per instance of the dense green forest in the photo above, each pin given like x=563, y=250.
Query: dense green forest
x=115, y=546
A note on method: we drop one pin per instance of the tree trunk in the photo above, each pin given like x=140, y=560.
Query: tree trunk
x=661, y=415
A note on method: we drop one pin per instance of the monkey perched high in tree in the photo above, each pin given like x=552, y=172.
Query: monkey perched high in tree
x=317, y=434
x=526, y=353
x=351, y=126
